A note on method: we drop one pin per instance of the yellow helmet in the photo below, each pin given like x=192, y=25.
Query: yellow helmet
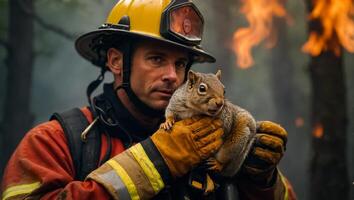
x=177, y=22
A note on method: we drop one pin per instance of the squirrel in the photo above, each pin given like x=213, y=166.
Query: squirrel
x=204, y=94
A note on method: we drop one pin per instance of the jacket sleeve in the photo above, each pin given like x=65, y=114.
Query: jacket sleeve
x=41, y=167
x=280, y=190
x=137, y=173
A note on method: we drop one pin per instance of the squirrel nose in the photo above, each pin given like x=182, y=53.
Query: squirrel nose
x=219, y=103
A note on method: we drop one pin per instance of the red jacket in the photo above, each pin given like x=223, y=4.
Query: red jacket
x=41, y=167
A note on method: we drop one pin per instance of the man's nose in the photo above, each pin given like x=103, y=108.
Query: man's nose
x=170, y=73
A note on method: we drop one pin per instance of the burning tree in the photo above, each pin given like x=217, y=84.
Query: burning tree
x=267, y=22
x=331, y=27
x=259, y=14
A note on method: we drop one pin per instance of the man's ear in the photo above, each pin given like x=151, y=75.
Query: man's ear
x=115, y=61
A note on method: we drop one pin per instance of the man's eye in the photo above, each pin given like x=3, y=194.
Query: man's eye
x=155, y=59
x=181, y=65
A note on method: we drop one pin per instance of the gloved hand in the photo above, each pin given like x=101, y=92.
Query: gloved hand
x=267, y=151
x=188, y=143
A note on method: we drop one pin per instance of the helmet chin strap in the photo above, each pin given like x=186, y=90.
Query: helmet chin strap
x=140, y=105
x=94, y=84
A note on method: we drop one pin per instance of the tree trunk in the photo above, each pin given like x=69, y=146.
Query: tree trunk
x=223, y=32
x=329, y=173
x=281, y=66
x=17, y=117
x=328, y=170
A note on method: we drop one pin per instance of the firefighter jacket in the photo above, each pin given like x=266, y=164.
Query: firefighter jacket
x=42, y=166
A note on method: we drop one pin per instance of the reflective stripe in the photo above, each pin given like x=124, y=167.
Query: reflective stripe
x=148, y=167
x=125, y=178
x=116, y=182
x=20, y=189
x=286, y=195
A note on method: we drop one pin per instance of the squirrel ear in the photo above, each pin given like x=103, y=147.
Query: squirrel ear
x=192, y=77
x=218, y=74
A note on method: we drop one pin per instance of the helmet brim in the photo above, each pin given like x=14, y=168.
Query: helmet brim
x=83, y=45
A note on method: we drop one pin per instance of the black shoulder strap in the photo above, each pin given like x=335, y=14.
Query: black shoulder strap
x=85, y=155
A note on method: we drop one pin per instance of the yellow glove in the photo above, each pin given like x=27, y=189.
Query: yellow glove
x=188, y=143
x=267, y=151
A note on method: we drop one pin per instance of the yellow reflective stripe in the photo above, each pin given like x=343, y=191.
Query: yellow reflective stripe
x=286, y=195
x=125, y=178
x=20, y=189
x=148, y=167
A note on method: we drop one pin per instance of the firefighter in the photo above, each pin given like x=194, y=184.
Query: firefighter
x=113, y=147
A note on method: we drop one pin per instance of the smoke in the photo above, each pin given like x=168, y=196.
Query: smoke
x=252, y=89
x=61, y=75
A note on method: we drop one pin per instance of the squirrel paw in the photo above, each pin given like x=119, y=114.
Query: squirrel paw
x=167, y=125
x=214, y=165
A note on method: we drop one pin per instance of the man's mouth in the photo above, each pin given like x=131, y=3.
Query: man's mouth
x=165, y=92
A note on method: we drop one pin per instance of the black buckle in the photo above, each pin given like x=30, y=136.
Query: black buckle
x=197, y=181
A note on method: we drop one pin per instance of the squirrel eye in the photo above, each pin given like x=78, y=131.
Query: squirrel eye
x=202, y=88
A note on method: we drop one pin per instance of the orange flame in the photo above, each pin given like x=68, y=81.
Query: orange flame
x=299, y=122
x=317, y=131
x=337, y=22
x=259, y=14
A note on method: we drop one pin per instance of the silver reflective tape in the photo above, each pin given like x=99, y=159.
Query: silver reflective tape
x=117, y=183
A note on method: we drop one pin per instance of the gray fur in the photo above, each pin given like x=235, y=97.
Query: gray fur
x=185, y=103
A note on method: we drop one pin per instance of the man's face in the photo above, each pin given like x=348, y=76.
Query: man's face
x=157, y=70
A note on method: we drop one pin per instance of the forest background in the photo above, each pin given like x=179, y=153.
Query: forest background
x=281, y=85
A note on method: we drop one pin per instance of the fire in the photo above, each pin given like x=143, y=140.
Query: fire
x=299, y=122
x=259, y=14
x=336, y=18
x=317, y=131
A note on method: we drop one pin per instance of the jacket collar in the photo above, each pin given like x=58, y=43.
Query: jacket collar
x=117, y=120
